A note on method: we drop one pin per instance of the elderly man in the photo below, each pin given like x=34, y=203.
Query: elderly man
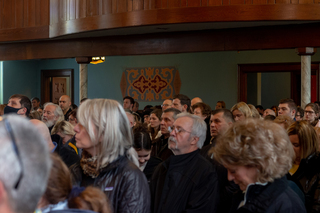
x=181, y=102
x=287, y=107
x=18, y=104
x=25, y=165
x=166, y=104
x=160, y=146
x=52, y=114
x=185, y=182
x=65, y=104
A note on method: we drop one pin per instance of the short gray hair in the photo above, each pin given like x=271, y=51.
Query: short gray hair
x=57, y=112
x=106, y=122
x=199, y=127
x=35, y=163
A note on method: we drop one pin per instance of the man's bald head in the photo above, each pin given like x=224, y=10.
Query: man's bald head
x=65, y=103
x=196, y=100
x=44, y=131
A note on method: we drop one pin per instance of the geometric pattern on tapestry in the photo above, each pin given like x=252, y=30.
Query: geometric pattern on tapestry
x=150, y=83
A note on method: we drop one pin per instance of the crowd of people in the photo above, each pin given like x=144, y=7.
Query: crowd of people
x=105, y=156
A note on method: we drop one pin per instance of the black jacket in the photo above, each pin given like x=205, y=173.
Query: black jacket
x=307, y=177
x=160, y=148
x=152, y=163
x=184, y=183
x=274, y=197
x=123, y=183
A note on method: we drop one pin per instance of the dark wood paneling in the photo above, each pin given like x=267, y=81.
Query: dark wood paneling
x=228, y=13
x=31, y=13
x=6, y=22
x=215, y=2
x=138, y=4
x=122, y=6
x=44, y=11
x=194, y=3
x=272, y=37
x=174, y=3
x=19, y=13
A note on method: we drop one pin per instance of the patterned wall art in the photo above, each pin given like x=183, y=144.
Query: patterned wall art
x=150, y=83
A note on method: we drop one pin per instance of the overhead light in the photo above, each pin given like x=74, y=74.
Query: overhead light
x=98, y=60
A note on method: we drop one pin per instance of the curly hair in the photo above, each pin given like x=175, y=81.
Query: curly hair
x=257, y=143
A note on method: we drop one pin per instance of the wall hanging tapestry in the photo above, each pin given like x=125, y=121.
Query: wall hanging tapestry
x=150, y=83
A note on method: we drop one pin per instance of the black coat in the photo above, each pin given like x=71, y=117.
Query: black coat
x=276, y=197
x=152, y=163
x=184, y=183
x=307, y=177
x=123, y=183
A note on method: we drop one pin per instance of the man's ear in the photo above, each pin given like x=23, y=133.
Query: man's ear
x=22, y=111
x=185, y=106
x=195, y=140
x=293, y=111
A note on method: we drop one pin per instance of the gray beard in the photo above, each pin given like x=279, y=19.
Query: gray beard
x=49, y=123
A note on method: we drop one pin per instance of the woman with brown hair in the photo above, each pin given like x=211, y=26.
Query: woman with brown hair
x=306, y=171
x=311, y=113
x=60, y=195
x=257, y=155
x=154, y=126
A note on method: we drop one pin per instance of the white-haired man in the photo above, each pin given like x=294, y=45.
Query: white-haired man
x=185, y=182
x=52, y=114
x=23, y=179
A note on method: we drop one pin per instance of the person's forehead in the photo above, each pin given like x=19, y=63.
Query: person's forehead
x=14, y=100
x=218, y=116
x=284, y=105
x=197, y=109
x=176, y=100
x=167, y=102
x=167, y=115
x=309, y=108
x=184, y=122
x=50, y=108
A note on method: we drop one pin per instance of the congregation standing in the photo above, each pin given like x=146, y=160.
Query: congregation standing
x=181, y=156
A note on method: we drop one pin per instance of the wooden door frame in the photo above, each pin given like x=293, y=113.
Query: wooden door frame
x=45, y=82
x=244, y=69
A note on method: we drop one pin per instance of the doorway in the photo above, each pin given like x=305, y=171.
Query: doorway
x=272, y=82
x=55, y=83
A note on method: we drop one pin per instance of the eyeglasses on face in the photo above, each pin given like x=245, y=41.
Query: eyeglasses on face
x=308, y=112
x=15, y=148
x=165, y=105
x=177, y=129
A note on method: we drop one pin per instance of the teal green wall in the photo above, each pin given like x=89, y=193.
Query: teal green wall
x=210, y=75
x=20, y=77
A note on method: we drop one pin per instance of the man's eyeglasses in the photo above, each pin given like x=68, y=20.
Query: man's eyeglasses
x=15, y=148
x=165, y=105
x=177, y=129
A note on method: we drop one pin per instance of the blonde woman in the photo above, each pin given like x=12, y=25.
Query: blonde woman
x=104, y=134
x=241, y=111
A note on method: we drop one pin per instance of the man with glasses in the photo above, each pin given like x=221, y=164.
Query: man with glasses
x=166, y=104
x=25, y=165
x=185, y=182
